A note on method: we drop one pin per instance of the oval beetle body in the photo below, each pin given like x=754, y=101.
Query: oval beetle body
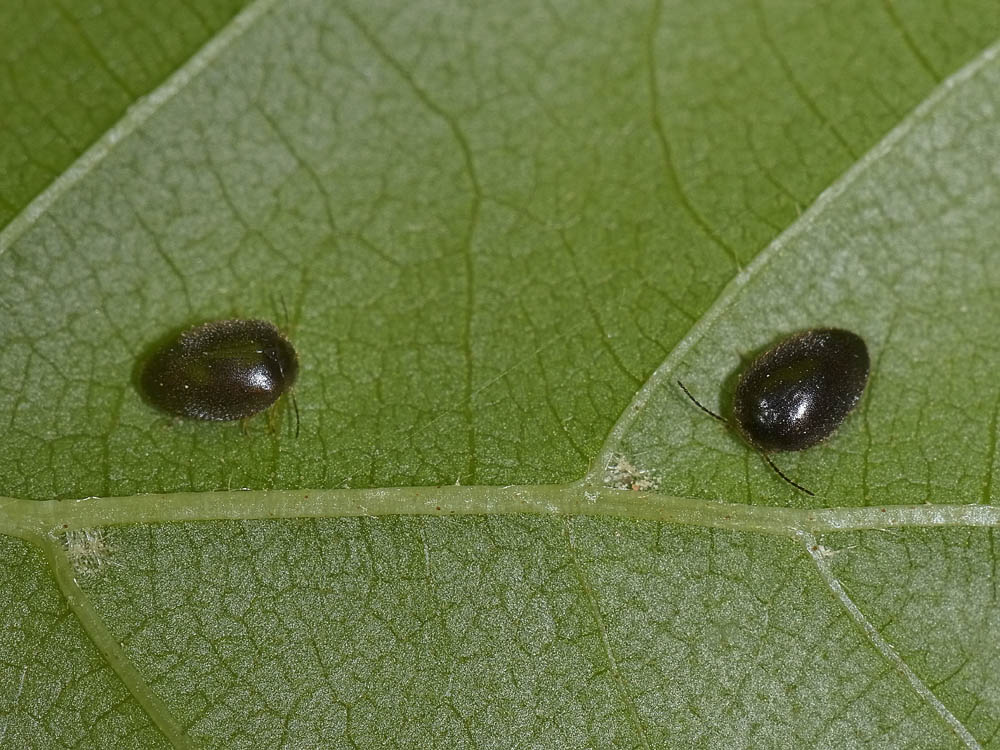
x=797, y=393
x=221, y=370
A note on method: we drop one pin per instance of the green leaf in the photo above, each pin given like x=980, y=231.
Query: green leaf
x=70, y=69
x=501, y=233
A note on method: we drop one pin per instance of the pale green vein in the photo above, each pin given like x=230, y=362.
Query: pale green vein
x=730, y=293
x=36, y=519
x=881, y=644
x=111, y=649
x=140, y=112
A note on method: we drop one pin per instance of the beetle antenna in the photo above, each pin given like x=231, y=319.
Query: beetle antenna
x=284, y=309
x=781, y=474
x=763, y=455
x=697, y=403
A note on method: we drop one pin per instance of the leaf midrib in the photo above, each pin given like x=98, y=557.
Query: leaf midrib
x=45, y=523
x=40, y=519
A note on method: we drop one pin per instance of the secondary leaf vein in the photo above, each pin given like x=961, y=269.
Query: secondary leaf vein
x=590, y=597
x=109, y=647
x=730, y=293
x=882, y=645
x=133, y=119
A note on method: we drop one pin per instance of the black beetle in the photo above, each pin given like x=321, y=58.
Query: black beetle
x=798, y=392
x=221, y=370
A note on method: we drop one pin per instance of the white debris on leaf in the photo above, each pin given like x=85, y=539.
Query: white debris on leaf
x=88, y=550
x=825, y=553
x=622, y=474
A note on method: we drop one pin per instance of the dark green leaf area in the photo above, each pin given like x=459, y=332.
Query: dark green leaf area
x=70, y=72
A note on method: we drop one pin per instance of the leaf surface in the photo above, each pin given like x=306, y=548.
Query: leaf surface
x=501, y=233
x=70, y=70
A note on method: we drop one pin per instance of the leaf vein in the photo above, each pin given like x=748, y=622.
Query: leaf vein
x=108, y=646
x=882, y=645
x=468, y=259
x=911, y=45
x=133, y=119
x=590, y=597
x=796, y=85
x=730, y=293
x=664, y=142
